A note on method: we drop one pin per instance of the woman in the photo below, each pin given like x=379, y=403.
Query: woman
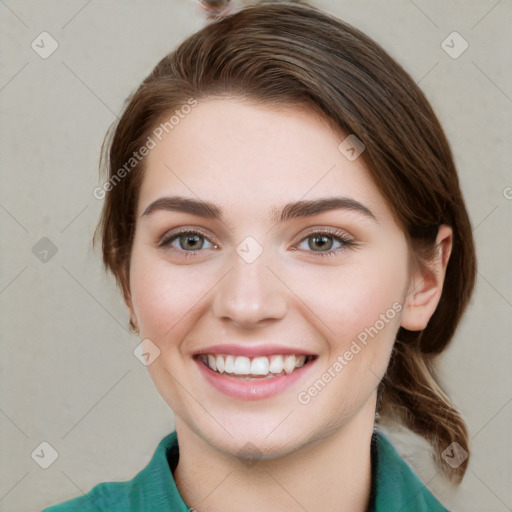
x=330, y=259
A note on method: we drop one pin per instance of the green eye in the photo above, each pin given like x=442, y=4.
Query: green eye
x=322, y=242
x=187, y=240
x=191, y=241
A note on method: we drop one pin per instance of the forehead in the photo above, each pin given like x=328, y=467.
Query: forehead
x=233, y=152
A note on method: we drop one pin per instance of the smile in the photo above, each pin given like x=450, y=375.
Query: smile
x=253, y=373
x=259, y=367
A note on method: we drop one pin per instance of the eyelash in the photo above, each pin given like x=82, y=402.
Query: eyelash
x=336, y=235
x=171, y=237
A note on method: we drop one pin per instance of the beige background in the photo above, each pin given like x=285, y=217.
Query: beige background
x=68, y=374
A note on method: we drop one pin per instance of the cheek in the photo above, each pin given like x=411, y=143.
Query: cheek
x=163, y=295
x=363, y=296
x=358, y=319
x=357, y=309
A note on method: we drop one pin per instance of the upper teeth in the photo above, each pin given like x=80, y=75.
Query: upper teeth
x=261, y=365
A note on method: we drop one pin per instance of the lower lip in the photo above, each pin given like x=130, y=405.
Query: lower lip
x=255, y=389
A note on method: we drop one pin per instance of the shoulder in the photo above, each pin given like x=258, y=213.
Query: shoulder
x=153, y=488
x=105, y=496
x=397, y=486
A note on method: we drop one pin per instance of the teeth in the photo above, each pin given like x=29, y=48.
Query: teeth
x=276, y=364
x=260, y=366
x=257, y=366
x=289, y=364
x=242, y=365
x=229, y=366
x=219, y=361
x=211, y=362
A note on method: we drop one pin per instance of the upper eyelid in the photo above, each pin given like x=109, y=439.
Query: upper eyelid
x=329, y=231
x=336, y=233
x=344, y=238
x=204, y=232
x=184, y=229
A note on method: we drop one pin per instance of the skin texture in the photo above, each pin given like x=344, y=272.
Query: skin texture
x=250, y=160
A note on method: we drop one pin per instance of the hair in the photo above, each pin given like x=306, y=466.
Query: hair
x=292, y=54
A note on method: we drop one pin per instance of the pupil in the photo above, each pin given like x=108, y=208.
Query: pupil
x=321, y=241
x=192, y=239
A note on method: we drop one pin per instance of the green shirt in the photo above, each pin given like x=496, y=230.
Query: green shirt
x=395, y=487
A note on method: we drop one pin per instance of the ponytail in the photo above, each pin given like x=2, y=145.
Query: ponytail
x=411, y=394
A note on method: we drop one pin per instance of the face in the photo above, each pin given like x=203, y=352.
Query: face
x=274, y=323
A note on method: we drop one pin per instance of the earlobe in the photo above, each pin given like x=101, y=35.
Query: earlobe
x=134, y=326
x=426, y=284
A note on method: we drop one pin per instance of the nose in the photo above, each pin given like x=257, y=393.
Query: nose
x=250, y=295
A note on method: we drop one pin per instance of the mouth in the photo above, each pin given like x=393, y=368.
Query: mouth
x=255, y=368
x=253, y=376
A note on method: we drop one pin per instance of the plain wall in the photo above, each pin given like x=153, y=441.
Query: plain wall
x=68, y=375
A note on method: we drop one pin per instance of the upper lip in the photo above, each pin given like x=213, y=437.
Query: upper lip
x=253, y=350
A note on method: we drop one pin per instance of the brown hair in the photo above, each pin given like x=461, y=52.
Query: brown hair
x=293, y=54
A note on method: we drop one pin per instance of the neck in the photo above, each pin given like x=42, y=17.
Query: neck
x=333, y=473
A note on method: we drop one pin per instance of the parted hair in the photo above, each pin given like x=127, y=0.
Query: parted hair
x=293, y=54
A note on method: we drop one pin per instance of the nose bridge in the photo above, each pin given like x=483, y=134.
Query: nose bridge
x=250, y=293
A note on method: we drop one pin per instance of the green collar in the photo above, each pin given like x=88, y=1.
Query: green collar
x=398, y=489
x=395, y=486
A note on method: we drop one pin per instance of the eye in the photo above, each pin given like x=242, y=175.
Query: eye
x=187, y=240
x=322, y=242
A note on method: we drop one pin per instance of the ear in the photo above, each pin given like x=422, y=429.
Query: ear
x=426, y=284
x=125, y=285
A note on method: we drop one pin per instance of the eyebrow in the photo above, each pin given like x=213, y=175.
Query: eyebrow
x=317, y=206
x=293, y=210
x=186, y=205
